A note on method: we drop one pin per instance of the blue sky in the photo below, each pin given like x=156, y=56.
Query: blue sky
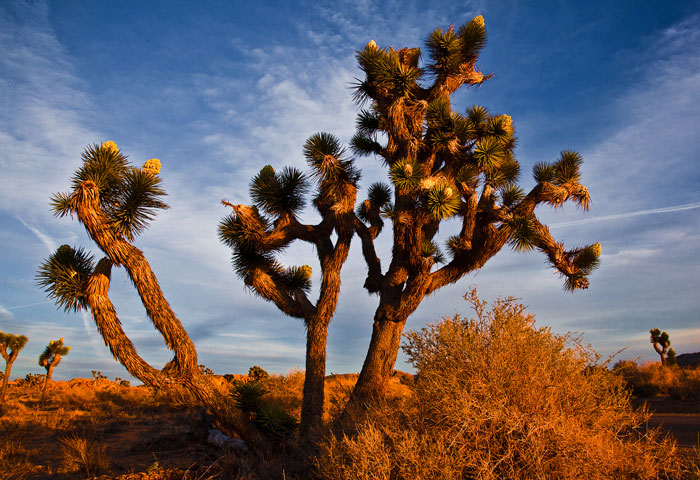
x=217, y=90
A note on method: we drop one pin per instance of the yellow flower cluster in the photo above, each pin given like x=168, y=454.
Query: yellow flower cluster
x=152, y=166
x=307, y=270
x=597, y=249
x=372, y=45
x=408, y=170
x=110, y=145
x=479, y=20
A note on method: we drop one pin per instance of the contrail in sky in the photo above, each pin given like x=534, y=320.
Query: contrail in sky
x=677, y=208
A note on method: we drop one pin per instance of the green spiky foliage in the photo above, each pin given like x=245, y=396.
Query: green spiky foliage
x=445, y=164
x=10, y=346
x=258, y=233
x=269, y=416
x=64, y=276
x=49, y=359
x=661, y=342
x=128, y=196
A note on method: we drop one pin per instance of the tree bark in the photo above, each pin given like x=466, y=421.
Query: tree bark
x=6, y=378
x=379, y=362
x=47, y=380
x=315, y=376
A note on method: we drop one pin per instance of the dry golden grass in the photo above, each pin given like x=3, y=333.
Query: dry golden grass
x=497, y=398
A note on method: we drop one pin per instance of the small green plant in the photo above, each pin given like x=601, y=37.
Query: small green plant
x=257, y=373
x=83, y=454
x=49, y=359
x=268, y=415
x=247, y=395
x=10, y=346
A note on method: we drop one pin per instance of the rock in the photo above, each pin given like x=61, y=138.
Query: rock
x=224, y=441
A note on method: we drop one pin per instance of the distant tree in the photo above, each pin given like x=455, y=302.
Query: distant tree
x=257, y=373
x=661, y=341
x=445, y=165
x=258, y=233
x=10, y=346
x=115, y=202
x=49, y=359
x=671, y=357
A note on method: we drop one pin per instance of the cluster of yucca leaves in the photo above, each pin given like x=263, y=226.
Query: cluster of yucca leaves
x=129, y=197
x=451, y=164
x=269, y=416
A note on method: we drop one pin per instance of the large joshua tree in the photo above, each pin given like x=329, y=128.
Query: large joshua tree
x=258, y=233
x=10, y=346
x=49, y=359
x=115, y=202
x=445, y=165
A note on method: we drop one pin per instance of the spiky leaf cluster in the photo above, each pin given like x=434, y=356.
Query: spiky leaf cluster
x=130, y=197
x=53, y=352
x=662, y=338
x=279, y=193
x=10, y=343
x=431, y=150
x=65, y=275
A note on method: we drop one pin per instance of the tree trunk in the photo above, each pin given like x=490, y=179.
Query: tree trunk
x=6, y=379
x=379, y=363
x=123, y=350
x=312, y=404
x=47, y=380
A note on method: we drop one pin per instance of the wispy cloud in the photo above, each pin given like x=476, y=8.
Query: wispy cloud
x=619, y=216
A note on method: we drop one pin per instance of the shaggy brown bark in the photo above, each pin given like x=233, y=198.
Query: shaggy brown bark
x=10, y=359
x=47, y=379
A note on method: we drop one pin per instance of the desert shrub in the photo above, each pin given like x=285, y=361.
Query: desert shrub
x=686, y=385
x=32, y=379
x=121, y=382
x=257, y=373
x=286, y=390
x=205, y=370
x=496, y=398
x=83, y=454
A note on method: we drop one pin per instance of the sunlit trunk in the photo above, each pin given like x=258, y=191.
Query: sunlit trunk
x=312, y=404
x=379, y=362
x=6, y=379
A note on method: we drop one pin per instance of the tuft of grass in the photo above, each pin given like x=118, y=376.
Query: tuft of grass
x=83, y=454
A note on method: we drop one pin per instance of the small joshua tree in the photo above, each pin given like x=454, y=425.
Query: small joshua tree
x=10, y=345
x=49, y=359
x=661, y=342
x=257, y=374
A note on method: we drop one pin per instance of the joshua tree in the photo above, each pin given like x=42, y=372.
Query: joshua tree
x=256, y=234
x=10, y=345
x=49, y=359
x=445, y=165
x=661, y=341
x=115, y=202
